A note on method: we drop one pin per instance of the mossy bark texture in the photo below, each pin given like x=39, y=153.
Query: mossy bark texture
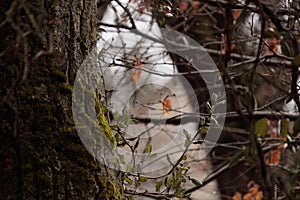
x=42, y=44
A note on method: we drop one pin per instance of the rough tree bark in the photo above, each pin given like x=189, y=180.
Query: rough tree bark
x=41, y=156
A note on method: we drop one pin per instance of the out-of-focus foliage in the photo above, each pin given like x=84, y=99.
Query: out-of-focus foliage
x=256, y=45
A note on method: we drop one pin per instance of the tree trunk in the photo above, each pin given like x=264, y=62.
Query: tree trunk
x=42, y=46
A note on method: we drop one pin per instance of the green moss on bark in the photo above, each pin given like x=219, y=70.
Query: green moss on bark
x=41, y=154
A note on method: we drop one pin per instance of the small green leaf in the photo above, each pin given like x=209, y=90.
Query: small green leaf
x=202, y=121
x=186, y=134
x=284, y=128
x=128, y=168
x=203, y=130
x=184, y=157
x=149, y=149
x=186, y=143
x=296, y=127
x=261, y=127
x=179, y=174
x=179, y=195
x=188, y=138
x=296, y=61
x=128, y=180
x=158, y=186
x=235, y=158
x=143, y=178
x=196, y=182
x=169, y=183
x=164, y=21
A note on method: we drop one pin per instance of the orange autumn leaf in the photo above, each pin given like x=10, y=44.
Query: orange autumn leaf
x=166, y=106
x=253, y=193
x=183, y=6
x=247, y=196
x=196, y=5
x=259, y=196
x=136, y=76
x=254, y=190
x=273, y=157
x=143, y=6
x=137, y=62
x=236, y=14
x=237, y=196
x=272, y=45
